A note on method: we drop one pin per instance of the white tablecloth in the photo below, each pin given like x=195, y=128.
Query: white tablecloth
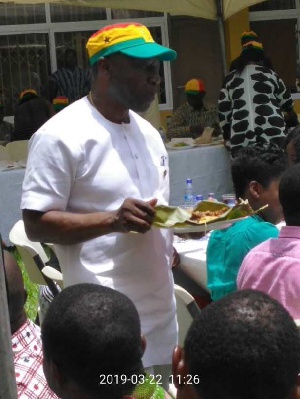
x=193, y=259
x=10, y=199
x=208, y=166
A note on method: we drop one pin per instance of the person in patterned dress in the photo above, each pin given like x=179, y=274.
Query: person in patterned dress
x=70, y=81
x=192, y=117
x=25, y=338
x=254, y=103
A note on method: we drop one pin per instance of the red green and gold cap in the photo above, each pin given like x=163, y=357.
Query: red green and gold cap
x=194, y=86
x=28, y=93
x=131, y=39
x=60, y=102
x=248, y=36
x=253, y=44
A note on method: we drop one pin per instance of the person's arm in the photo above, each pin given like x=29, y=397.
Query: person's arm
x=67, y=228
x=285, y=100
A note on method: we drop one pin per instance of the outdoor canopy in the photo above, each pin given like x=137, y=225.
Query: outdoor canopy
x=209, y=9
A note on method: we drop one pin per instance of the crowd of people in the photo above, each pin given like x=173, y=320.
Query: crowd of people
x=95, y=172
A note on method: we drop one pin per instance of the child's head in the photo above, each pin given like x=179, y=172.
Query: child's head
x=256, y=173
x=245, y=346
x=89, y=331
x=289, y=194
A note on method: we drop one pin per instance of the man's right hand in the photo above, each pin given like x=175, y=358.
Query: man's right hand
x=135, y=215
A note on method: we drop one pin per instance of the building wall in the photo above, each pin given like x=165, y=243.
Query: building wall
x=197, y=42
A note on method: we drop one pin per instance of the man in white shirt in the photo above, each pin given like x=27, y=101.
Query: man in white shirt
x=94, y=175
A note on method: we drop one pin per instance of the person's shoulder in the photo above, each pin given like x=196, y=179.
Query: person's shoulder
x=258, y=231
x=68, y=124
x=183, y=108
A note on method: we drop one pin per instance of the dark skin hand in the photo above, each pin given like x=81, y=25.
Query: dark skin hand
x=68, y=228
x=135, y=215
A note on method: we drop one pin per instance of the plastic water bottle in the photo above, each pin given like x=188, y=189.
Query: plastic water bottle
x=199, y=198
x=189, y=194
x=212, y=197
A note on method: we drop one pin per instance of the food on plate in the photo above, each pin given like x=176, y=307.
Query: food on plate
x=207, y=216
x=180, y=144
x=206, y=137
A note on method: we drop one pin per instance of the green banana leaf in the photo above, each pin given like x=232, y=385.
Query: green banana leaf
x=171, y=216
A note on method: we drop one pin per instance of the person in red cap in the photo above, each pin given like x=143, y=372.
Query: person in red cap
x=94, y=175
x=191, y=118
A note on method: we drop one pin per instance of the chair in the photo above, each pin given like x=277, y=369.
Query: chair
x=18, y=150
x=4, y=156
x=187, y=309
x=35, y=259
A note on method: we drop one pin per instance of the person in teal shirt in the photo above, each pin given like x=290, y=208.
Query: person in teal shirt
x=256, y=174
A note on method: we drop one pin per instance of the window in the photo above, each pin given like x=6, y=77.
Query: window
x=17, y=14
x=33, y=49
x=282, y=18
x=63, y=13
x=24, y=63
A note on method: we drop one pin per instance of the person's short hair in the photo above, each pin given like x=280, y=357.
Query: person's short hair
x=260, y=163
x=289, y=194
x=243, y=346
x=91, y=330
x=294, y=136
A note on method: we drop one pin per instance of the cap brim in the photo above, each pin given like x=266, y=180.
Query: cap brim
x=150, y=50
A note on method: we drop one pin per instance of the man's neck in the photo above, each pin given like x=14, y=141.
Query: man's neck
x=111, y=110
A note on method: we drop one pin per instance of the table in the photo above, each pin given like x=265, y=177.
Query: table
x=208, y=166
x=10, y=199
x=193, y=259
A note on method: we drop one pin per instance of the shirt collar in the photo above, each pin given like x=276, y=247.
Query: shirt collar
x=290, y=232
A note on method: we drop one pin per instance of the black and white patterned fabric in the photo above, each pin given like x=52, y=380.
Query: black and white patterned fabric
x=251, y=106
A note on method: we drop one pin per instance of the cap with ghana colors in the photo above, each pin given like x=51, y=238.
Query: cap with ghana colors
x=131, y=39
x=194, y=86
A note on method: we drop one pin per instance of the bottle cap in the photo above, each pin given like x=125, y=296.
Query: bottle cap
x=189, y=180
x=199, y=197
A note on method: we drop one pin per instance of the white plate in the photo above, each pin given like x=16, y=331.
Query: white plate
x=223, y=224
x=208, y=144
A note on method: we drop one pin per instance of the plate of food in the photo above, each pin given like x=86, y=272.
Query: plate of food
x=216, y=225
x=180, y=143
x=205, y=216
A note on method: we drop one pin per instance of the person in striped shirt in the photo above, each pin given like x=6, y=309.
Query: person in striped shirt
x=70, y=81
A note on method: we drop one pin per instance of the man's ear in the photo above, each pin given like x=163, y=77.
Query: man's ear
x=179, y=369
x=255, y=189
x=103, y=66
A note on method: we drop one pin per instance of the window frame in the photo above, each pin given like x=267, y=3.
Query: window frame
x=51, y=28
x=292, y=13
